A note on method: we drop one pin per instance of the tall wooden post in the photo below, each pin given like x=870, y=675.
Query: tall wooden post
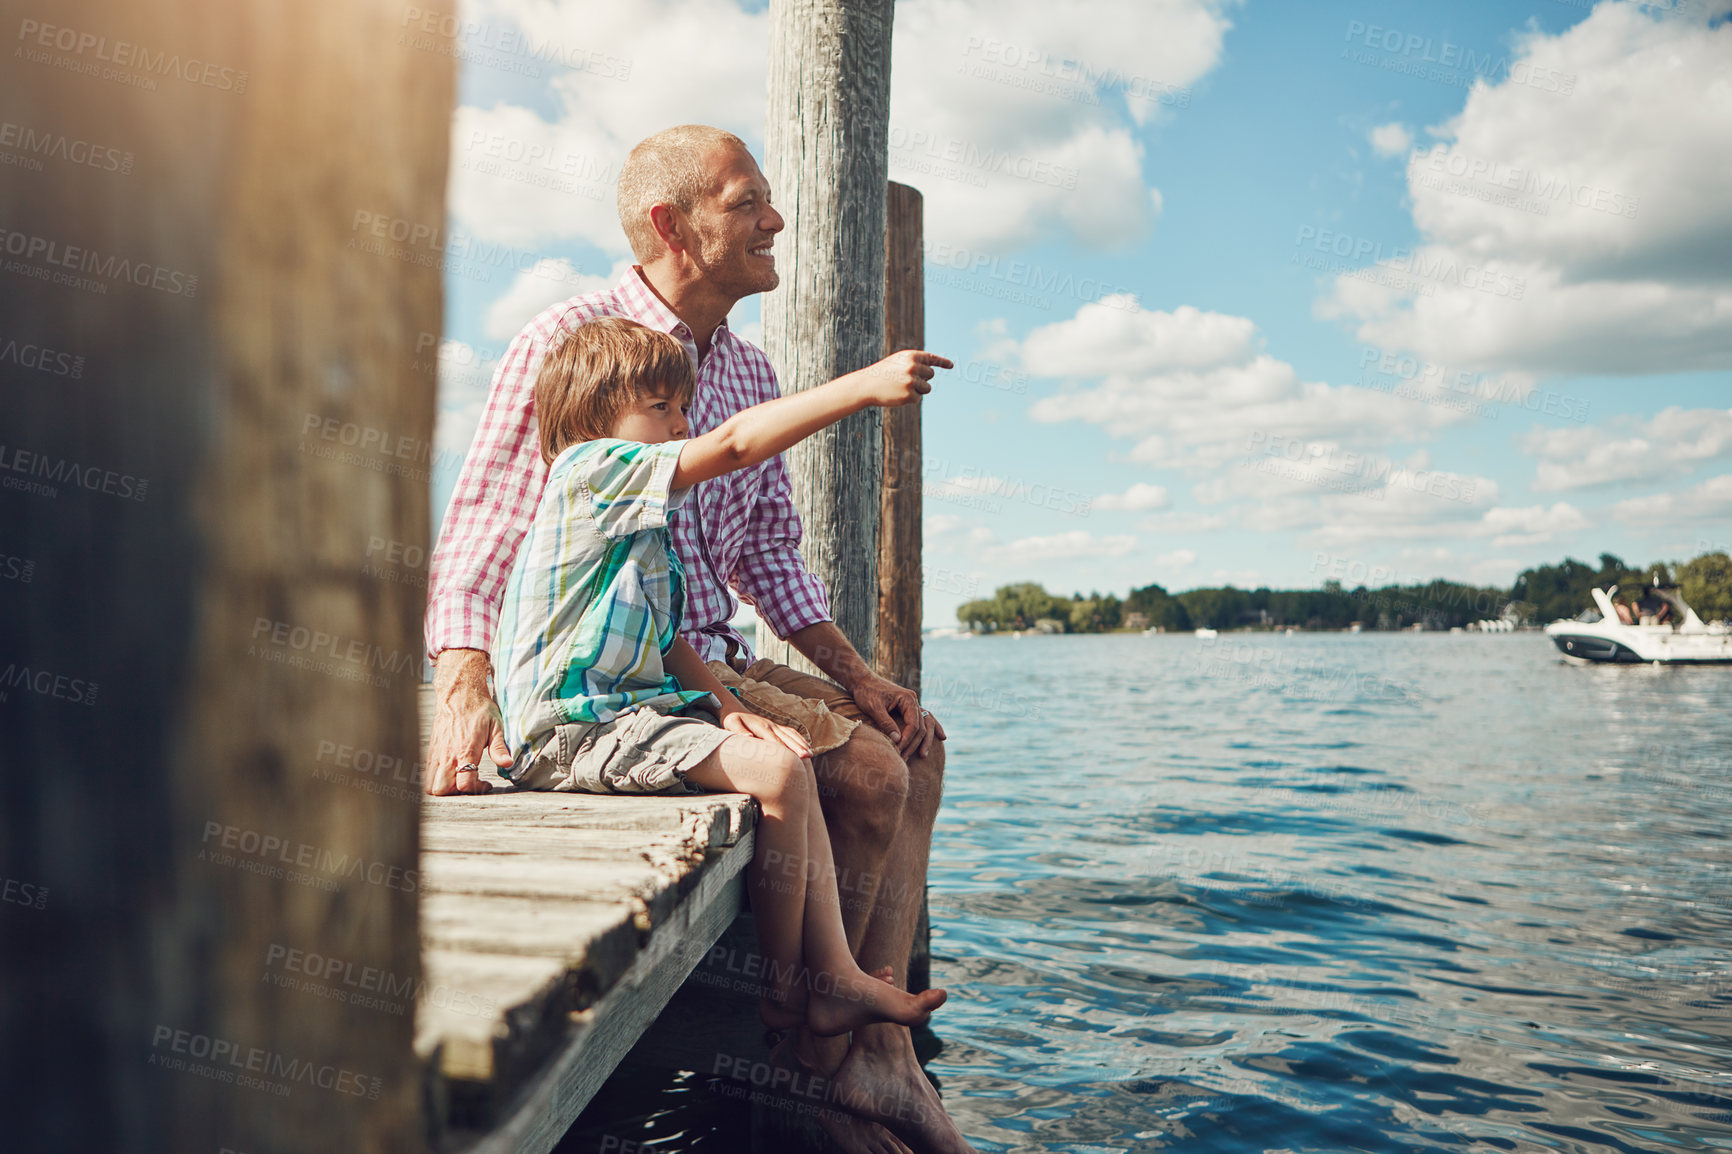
x=218, y=263
x=827, y=158
x=900, y=572
x=897, y=655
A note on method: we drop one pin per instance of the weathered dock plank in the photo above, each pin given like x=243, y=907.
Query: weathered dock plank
x=554, y=928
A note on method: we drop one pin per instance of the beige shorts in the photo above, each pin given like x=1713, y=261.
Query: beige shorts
x=821, y=710
x=644, y=751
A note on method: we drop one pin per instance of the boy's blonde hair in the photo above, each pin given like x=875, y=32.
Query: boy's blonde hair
x=595, y=370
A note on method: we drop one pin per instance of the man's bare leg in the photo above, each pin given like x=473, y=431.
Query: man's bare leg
x=880, y=811
x=861, y=791
x=880, y=1077
x=862, y=788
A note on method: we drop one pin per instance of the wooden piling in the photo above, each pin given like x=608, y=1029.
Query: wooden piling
x=897, y=654
x=900, y=573
x=826, y=154
x=246, y=417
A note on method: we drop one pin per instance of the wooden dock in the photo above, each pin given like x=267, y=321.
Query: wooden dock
x=555, y=927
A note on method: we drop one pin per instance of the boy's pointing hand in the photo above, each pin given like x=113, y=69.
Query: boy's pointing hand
x=901, y=377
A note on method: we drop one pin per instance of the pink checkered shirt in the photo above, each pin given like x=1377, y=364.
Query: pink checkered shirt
x=738, y=529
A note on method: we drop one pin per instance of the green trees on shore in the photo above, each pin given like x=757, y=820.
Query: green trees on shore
x=1548, y=592
x=1540, y=594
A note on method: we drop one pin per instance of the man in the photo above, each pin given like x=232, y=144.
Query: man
x=696, y=210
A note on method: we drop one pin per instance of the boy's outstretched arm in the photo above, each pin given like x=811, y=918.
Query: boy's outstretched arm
x=760, y=432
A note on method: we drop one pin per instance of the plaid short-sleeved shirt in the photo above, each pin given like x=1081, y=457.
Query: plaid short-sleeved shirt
x=739, y=534
x=594, y=598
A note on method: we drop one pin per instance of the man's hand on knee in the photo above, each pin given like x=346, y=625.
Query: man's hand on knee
x=466, y=725
x=896, y=712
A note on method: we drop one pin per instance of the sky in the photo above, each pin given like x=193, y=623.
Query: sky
x=1247, y=293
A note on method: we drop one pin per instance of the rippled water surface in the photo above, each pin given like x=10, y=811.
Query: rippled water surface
x=1315, y=893
x=1331, y=892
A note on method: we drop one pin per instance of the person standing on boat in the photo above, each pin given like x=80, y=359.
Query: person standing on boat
x=696, y=211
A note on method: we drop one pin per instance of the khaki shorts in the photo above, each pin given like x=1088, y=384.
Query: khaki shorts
x=644, y=751
x=821, y=710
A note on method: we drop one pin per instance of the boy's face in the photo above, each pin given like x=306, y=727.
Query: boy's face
x=650, y=419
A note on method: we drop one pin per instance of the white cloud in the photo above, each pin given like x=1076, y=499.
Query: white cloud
x=1174, y=522
x=1533, y=525
x=1404, y=515
x=1672, y=442
x=949, y=533
x=1392, y=139
x=1117, y=336
x=1497, y=572
x=1138, y=497
x=1074, y=545
x=972, y=485
x=520, y=178
x=550, y=280
x=1598, y=214
x=1197, y=391
x=1016, y=119
x=1239, y=578
x=1407, y=504
x=1416, y=565
x=1711, y=499
x=1177, y=559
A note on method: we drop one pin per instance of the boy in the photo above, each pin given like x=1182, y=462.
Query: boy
x=593, y=674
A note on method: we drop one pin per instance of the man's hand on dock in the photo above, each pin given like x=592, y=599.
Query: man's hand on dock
x=467, y=728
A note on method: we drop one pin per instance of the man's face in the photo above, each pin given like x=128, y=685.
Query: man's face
x=736, y=225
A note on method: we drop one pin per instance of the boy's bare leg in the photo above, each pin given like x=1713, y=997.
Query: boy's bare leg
x=777, y=877
x=843, y=997
x=813, y=977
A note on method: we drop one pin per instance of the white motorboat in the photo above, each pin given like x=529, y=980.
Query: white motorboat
x=1207, y=633
x=1599, y=636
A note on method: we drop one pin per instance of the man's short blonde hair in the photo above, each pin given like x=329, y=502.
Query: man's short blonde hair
x=667, y=168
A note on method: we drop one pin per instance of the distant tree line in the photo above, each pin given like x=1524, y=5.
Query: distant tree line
x=1549, y=592
x=1541, y=594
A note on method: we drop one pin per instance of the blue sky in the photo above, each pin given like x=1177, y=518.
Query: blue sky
x=1246, y=293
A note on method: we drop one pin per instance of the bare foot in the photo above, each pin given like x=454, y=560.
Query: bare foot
x=842, y=1002
x=779, y=1015
x=887, y=1086
x=850, y=1133
x=856, y=1135
x=835, y=1008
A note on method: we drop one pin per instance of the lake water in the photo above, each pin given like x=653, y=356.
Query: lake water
x=1322, y=893
x=1331, y=892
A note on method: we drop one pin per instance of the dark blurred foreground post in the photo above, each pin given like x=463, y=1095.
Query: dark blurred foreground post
x=218, y=264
